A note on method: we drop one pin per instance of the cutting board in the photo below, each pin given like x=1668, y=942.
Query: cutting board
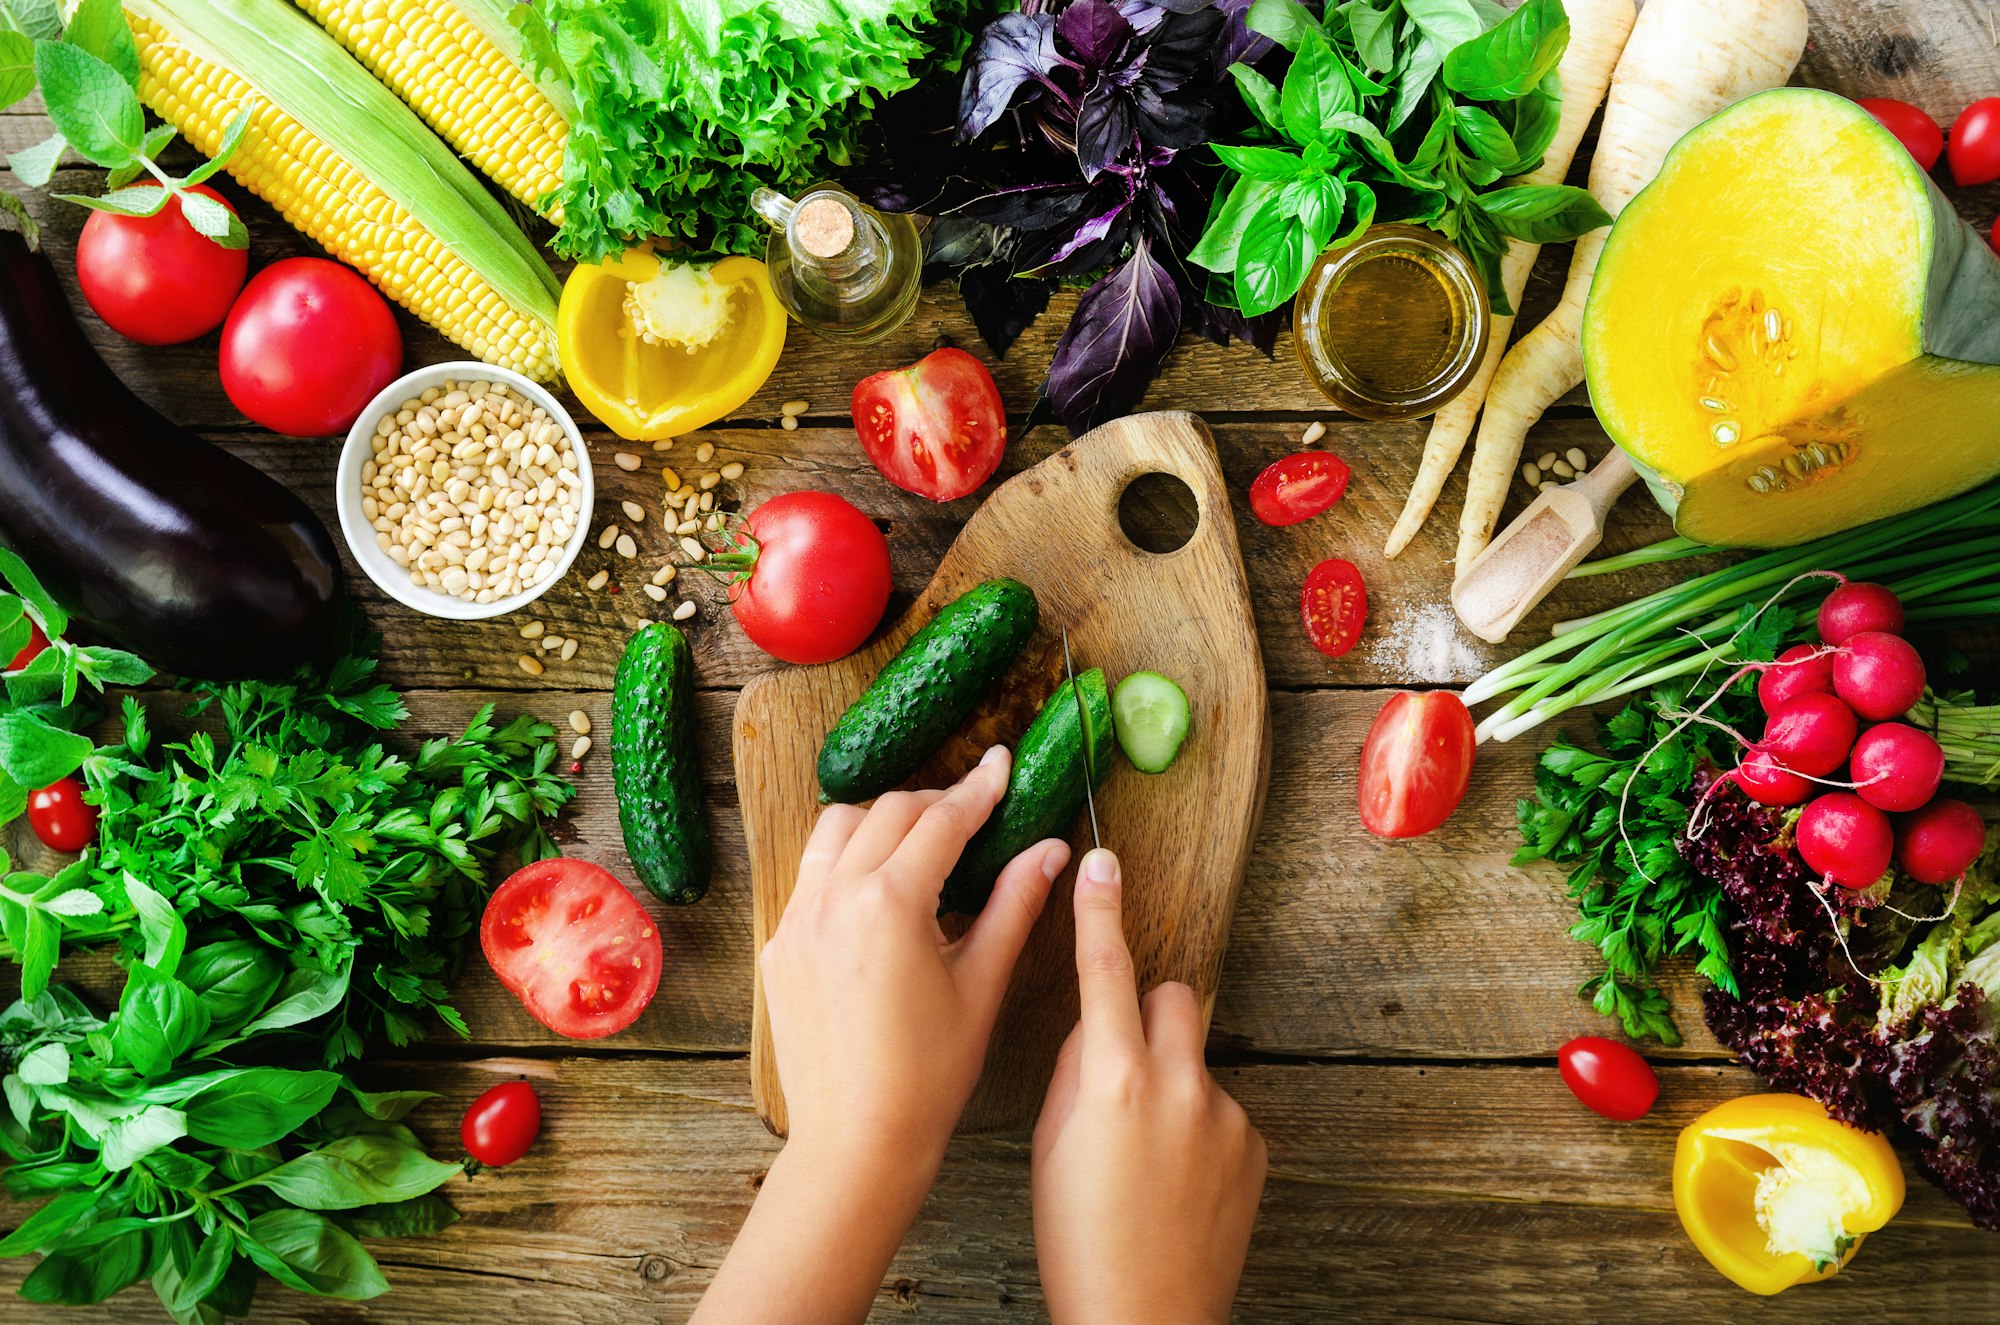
x=1184, y=835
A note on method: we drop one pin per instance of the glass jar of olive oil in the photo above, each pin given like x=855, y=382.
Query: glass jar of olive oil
x=1393, y=325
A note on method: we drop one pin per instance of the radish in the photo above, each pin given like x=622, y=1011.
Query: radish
x=1845, y=839
x=1858, y=606
x=1810, y=734
x=1938, y=843
x=1768, y=782
x=1799, y=669
x=1897, y=767
x=1878, y=674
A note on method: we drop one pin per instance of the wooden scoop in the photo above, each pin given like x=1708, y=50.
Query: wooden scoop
x=1530, y=557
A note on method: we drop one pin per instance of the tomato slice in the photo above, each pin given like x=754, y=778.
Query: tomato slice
x=936, y=428
x=572, y=943
x=1298, y=487
x=1335, y=606
x=1415, y=763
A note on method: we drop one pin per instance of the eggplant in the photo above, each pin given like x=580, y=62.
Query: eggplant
x=155, y=540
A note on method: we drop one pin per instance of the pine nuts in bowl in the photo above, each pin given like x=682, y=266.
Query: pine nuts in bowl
x=464, y=491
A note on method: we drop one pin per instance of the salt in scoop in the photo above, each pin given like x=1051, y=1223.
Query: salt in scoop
x=1530, y=557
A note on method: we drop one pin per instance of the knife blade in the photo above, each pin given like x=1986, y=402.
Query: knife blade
x=1083, y=716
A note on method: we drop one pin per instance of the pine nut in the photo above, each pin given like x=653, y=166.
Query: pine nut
x=733, y=470
x=580, y=748
x=654, y=592
x=579, y=722
x=704, y=453
x=626, y=547
x=1550, y=485
x=792, y=407
x=665, y=574
x=550, y=643
x=664, y=444
x=693, y=550
x=626, y=461
x=789, y=423
x=633, y=511
x=1531, y=475
x=686, y=527
x=532, y=630
x=569, y=648
x=707, y=501
x=1313, y=434
x=673, y=480
x=597, y=581
x=685, y=610
x=709, y=480
x=1563, y=469
x=608, y=537
x=1577, y=459
x=532, y=666
x=1546, y=460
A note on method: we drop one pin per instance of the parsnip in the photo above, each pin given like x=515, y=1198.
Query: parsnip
x=1597, y=33
x=1686, y=60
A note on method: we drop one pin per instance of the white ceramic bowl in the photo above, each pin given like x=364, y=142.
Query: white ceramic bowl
x=394, y=580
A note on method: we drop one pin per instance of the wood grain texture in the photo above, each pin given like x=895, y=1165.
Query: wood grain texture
x=1183, y=835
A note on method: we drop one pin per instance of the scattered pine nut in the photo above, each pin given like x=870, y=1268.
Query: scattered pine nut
x=704, y=453
x=1563, y=469
x=709, y=480
x=580, y=748
x=1531, y=475
x=685, y=610
x=1546, y=459
x=654, y=592
x=707, y=502
x=532, y=666
x=569, y=648
x=550, y=643
x=664, y=444
x=1313, y=434
x=686, y=527
x=693, y=550
x=1549, y=485
x=673, y=479
x=579, y=722
x=597, y=581
x=714, y=523
x=1578, y=460
x=608, y=537
x=626, y=547
x=532, y=630
x=792, y=408
x=665, y=574
x=633, y=512
x=733, y=470
x=626, y=461
x=790, y=423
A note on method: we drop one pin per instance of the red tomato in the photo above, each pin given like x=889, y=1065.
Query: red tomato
x=1298, y=487
x=815, y=578
x=936, y=428
x=1610, y=1078
x=156, y=279
x=574, y=945
x=1975, y=143
x=32, y=650
x=307, y=347
x=1335, y=607
x=1917, y=131
x=1415, y=763
x=502, y=1124
x=60, y=817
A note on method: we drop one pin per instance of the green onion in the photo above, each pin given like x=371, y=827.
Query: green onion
x=1667, y=549
x=1969, y=734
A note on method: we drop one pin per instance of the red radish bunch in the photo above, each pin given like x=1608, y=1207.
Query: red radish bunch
x=1835, y=704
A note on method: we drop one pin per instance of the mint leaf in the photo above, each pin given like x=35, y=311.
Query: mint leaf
x=213, y=220
x=99, y=27
x=138, y=200
x=232, y=137
x=55, y=621
x=90, y=103
x=37, y=165
x=37, y=20
x=17, y=67
x=156, y=141
x=34, y=752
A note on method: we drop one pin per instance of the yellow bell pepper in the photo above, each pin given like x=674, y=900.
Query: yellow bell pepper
x=1774, y=1192
x=639, y=381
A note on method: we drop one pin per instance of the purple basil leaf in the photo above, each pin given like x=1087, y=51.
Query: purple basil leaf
x=1221, y=325
x=1015, y=51
x=1031, y=207
x=1092, y=231
x=1121, y=331
x=1239, y=45
x=1002, y=305
x=1190, y=6
x=1182, y=45
x=1103, y=128
x=1143, y=15
x=1094, y=31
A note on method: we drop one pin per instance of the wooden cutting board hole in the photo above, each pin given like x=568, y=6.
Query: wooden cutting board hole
x=1158, y=513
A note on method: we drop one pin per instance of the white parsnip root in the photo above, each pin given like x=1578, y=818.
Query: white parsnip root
x=1686, y=60
x=1597, y=33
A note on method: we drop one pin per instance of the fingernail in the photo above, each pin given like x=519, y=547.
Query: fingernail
x=1054, y=859
x=1100, y=866
x=993, y=755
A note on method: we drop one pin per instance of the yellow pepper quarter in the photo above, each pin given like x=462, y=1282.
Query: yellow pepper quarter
x=616, y=330
x=1774, y=1192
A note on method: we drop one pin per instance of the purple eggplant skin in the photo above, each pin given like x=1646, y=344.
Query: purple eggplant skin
x=157, y=541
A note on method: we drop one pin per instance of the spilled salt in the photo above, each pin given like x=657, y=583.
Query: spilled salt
x=1426, y=644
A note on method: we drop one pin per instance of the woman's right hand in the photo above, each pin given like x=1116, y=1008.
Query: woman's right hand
x=1147, y=1174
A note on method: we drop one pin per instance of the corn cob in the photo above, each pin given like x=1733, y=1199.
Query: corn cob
x=463, y=82
x=340, y=158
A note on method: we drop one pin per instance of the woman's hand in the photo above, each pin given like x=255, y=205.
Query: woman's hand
x=1146, y=1174
x=880, y=1024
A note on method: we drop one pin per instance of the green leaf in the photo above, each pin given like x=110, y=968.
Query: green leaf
x=309, y=1252
x=304, y=994
x=159, y=1020
x=37, y=165
x=1544, y=213
x=234, y=978
x=214, y=221
x=415, y=1218
x=17, y=67
x=99, y=27
x=1315, y=90
x=1272, y=262
x=388, y=1105
x=1318, y=203
x=1283, y=21
x=37, y=952
x=1532, y=124
x=138, y=200
x=90, y=103
x=131, y=1138
x=232, y=137
x=1261, y=163
x=45, y=1065
x=1260, y=94
x=1513, y=57
x=160, y=925
x=1447, y=23
x=1222, y=241
x=211, y=1262
x=255, y=1106
x=38, y=20
x=57, y=1216
x=1374, y=32
x=356, y=1171
x=1484, y=136
x=103, y=666
x=55, y=621
x=87, y=1274
x=34, y=753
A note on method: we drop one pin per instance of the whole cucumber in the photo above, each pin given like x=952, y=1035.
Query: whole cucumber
x=1046, y=790
x=927, y=691
x=653, y=765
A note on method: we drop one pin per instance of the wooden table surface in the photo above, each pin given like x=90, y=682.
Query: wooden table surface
x=1388, y=1013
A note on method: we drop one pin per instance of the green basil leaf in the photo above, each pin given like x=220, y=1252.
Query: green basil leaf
x=356, y=1171
x=1544, y=213
x=90, y=103
x=1222, y=241
x=20, y=1098
x=1483, y=135
x=1317, y=202
x=303, y=995
x=177, y=1169
x=17, y=67
x=1315, y=90
x=1374, y=32
x=45, y=1065
x=160, y=925
x=235, y=978
x=307, y=1251
x=58, y=1215
x=1533, y=121
x=388, y=1105
x=1283, y=21
x=1510, y=59
x=38, y=952
x=99, y=26
x=159, y=1020
x=1272, y=263
x=35, y=753
x=419, y=1217
x=211, y=1262
x=255, y=1106
x=130, y=1139
x=1264, y=163
x=1261, y=95
x=1447, y=23
x=1363, y=199
x=90, y=1274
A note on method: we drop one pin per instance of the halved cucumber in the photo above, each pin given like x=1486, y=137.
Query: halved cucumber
x=1150, y=715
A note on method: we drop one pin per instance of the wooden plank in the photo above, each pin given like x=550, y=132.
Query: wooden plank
x=1493, y=1196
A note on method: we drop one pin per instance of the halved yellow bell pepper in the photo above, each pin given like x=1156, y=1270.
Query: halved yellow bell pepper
x=1774, y=1192
x=644, y=391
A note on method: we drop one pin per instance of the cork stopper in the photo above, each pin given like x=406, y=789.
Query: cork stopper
x=824, y=227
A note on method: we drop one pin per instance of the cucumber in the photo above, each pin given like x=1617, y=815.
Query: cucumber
x=1151, y=714
x=1046, y=791
x=653, y=765
x=926, y=692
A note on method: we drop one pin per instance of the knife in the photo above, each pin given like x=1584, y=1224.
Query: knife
x=1083, y=715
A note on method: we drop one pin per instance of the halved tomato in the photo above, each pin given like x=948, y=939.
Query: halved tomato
x=1335, y=607
x=572, y=943
x=1415, y=763
x=936, y=428
x=1298, y=487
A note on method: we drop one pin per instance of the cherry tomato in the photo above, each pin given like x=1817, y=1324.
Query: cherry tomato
x=1298, y=487
x=936, y=428
x=816, y=579
x=1974, y=149
x=572, y=943
x=1415, y=763
x=1917, y=131
x=156, y=279
x=61, y=818
x=502, y=1124
x=306, y=348
x=1610, y=1078
x=1335, y=607
x=32, y=650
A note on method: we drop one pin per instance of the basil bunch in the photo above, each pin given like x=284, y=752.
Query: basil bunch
x=1404, y=110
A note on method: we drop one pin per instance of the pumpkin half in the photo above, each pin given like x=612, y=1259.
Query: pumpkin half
x=1791, y=332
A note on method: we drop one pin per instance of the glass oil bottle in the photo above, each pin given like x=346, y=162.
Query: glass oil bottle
x=840, y=267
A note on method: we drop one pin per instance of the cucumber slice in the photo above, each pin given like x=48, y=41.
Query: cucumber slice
x=1150, y=715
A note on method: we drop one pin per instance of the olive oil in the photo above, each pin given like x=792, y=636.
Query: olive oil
x=1392, y=326
x=840, y=267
